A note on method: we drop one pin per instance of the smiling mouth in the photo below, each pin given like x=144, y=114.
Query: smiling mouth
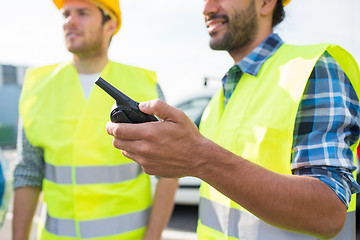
x=214, y=25
x=71, y=35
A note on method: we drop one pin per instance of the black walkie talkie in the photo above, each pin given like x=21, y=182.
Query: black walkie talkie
x=125, y=110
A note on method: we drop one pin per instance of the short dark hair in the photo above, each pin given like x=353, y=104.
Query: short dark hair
x=105, y=17
x=279, y=13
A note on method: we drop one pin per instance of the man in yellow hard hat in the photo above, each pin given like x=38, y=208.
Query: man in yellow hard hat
x=91, y=191
x=277, y=143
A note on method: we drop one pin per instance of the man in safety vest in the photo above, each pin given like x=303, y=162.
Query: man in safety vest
x=90, y=189
x=277, y=145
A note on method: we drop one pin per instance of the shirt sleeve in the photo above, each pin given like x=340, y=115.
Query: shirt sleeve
x=327, y=125
x=29, y=171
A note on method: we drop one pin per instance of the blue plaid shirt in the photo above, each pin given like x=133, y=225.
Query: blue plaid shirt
x=327, y=122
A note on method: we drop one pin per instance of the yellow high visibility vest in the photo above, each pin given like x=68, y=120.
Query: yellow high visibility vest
x=91, y=190
x=258, y=124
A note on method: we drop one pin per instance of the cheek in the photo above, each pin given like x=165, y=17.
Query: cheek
x=95, y=29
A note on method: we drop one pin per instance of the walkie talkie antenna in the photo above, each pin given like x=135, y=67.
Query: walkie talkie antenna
x=125, y=110
x=111, y=90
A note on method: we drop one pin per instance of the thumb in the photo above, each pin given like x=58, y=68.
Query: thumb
x=161, y=109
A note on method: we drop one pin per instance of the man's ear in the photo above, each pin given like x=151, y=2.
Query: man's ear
x=267, y=7
x=111, y=26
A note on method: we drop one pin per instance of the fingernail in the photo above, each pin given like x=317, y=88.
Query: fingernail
x=143, y=105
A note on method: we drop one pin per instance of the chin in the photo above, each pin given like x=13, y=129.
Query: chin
x=217, y=45
x=73, y=44
x=217, y=42
x=73, y=49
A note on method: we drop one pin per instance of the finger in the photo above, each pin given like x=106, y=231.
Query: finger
x=139, y=160
x=139, y=147
x=161, y=109
x=125, y=131
x=136, y=158
x=129, y=155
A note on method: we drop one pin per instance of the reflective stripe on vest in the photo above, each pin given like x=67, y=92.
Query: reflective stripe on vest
x=92, y=174
x=244, y=225
x=99, y=227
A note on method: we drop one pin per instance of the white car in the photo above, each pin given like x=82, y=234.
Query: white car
x=193, y=107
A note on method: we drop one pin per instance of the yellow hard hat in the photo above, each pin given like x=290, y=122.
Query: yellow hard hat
x=111, y=7
x=285, y=2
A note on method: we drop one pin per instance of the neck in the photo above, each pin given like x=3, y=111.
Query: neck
x=240, y=53
x=90, y=64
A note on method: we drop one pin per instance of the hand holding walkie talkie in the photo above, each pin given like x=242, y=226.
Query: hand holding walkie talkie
x=125, y=110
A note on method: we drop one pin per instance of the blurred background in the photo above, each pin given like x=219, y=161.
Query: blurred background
x=168, y=37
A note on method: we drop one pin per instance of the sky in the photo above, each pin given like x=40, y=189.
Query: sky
x=168, y=37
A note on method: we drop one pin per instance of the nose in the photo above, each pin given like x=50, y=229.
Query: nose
x=210, y=7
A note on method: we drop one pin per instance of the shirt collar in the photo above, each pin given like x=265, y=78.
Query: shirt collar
x=253, y=62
